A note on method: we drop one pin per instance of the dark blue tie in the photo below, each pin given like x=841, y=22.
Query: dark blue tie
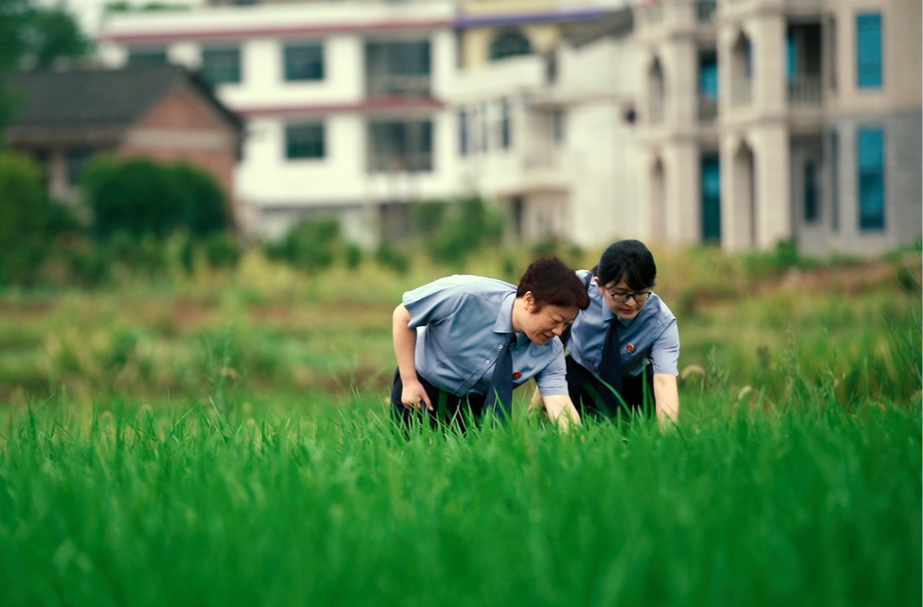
x=500, y=394
x=610, y=368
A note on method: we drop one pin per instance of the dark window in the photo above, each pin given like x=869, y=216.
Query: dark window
x=711, y=199
x=871, y=166
x=77, y=159
x=485, y=132
x=305, y=141
x=505, y=130
x=397, y=68
x=463, y=132
x=401, y=146
x=832, y=43
x=810, y=193
x=146, y=57
x=868, y=50
x=304, y=62
x=834, y=181
x=220, y=66
x=509, y=44
x=558, y=125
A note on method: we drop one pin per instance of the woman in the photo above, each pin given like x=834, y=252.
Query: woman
x=452, y=335
x=623, y=351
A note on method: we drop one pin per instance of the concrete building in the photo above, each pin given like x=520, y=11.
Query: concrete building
x=769, y=120
x=344, y=104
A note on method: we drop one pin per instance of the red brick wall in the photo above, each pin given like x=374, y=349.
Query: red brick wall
x=182, y=126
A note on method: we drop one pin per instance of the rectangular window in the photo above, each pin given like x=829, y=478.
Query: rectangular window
x=505, y=134
x=305, y=141
x=401, y=146
x=870, y=155
x=397, y=68
x=485, y=132
x=558, y=125
x=221, y=66
x=147, y=57
x=711, y=198
x=304, y=62
x=810, y=193
x=463, y=132
x=868, y=50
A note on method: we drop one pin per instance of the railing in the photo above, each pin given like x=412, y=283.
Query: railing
x=401, y=162
x=398, y=84
x=741, y=93
x=708, y=108
x=805, y=90
x=705, y=10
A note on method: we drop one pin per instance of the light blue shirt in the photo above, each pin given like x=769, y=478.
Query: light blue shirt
x=462, y=324
x=652, y=335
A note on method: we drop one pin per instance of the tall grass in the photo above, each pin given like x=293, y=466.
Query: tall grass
x=192, y=506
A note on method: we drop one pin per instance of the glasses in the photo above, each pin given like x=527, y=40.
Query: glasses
x=624, y=297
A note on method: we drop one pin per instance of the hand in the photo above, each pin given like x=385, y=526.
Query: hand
x=413, y=394
x=537, y=404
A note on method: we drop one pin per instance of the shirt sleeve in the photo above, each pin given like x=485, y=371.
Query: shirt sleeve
x=552, y=381
x=665, y=351
x=433, y=302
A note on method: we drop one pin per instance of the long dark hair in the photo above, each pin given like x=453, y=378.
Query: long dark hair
x=552, y=283
x=628, y=259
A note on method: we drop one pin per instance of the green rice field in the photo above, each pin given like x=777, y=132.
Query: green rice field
x=225, y=441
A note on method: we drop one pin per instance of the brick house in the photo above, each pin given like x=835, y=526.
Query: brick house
x=166, y=113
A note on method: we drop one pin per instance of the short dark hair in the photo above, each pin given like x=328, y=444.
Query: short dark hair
x=552, y=283
x=628, y=259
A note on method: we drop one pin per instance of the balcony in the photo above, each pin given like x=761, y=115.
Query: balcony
x=705, y=10
x=708, y=108
x=805, y=91
x=398, y=84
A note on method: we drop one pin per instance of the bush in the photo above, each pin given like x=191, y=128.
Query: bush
x=142, y=197
x=468, y=225
x=25, y=212
x=391, y=257
x=311, y=245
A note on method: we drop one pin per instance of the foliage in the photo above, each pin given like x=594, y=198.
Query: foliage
x=25, y=216
x=310, y=245
x=140, y=197
x=467, y=226
x=190, y=506
x=388, y=255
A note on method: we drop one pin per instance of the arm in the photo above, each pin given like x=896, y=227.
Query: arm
x=666, y=395
x=405, y=341
x=559, y=407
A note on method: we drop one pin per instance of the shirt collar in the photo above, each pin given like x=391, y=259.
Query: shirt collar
x=504, y=322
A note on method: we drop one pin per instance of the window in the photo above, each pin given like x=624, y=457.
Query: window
x=221, y=66
x=711, y=198
x=832, y=40
x=558, y=125
x=505, y=134
x=810, y=193
x=870, y=156
x=868, y=50
x=304, y=62
x=485, y=132
x=147, y=57
x=77, y=159
x=305, y=141
x=399, y=146
x=509, y=44
x=397, y=68
x=463, y=132
x=708, y=86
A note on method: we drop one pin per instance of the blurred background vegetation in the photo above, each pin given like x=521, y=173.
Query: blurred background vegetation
x=96, y=303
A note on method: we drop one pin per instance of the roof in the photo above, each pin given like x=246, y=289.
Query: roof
x=102, y=99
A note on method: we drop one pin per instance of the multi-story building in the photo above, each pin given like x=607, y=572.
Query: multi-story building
x=344, y=102
x=769, y=120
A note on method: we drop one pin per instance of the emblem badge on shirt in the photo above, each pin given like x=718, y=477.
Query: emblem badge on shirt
x=517, y=375
x=630, y=348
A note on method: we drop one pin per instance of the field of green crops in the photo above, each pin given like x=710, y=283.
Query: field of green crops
x=224, y=440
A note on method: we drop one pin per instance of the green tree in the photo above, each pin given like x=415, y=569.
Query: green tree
x=25, y=211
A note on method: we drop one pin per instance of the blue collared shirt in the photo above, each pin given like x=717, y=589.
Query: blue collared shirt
x=652, y=335
x=462, y=324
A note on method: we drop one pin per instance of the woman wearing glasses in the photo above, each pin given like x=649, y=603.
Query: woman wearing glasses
x=623, y=349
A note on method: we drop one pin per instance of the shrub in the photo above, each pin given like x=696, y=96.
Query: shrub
x=25, y=211
x=140, y=196
x=311, y=245
x=389, y=256
x=468, y=225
